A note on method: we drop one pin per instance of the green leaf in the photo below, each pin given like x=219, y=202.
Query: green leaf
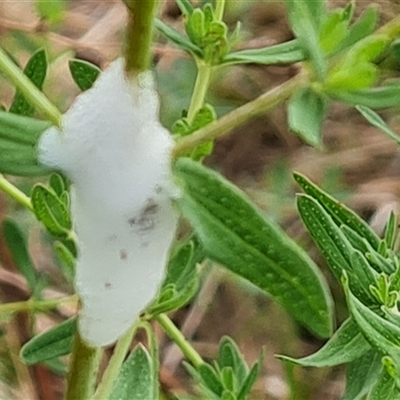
x=185, y=6
x=228, y=379
x=333, y=31
x=229, y=356
x=386, y=387
x=285, y=53
x=314, y=11
x=177, y=38
x=249, y=381
x=36, y=71
x=391, y=230
x=67, y=260
x=375, y=120
x=18, y=138
x=57, y=366
x=84, y=73
x=351, y=78
x=57, y=183
x=364, y=273
x=53, y=343
x=331, y=241
x=136, y=378
x=384, y=336
x=195, y=373
x=356, y=69
x=50, y=210
x=52, y=10
x=235, y=234
x=377, y=97
x=210, y=379
x=363, y=27
x=306, y=112
x=340, y=214
x=305, y=18
x=16, y=242
x=181, y=282
x=361, y=374
x=346, y=345
x=21, y=129
x=195, y=27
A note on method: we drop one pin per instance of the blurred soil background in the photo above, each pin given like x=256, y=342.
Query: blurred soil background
x=359, y=165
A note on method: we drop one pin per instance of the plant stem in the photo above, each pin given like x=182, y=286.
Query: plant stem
x=82, y=372
x=29, y=90
x=32, y=305
x=204, y=71
x=110, y=375
x=200, y=89
x=228, y=122
x=139, y=35
x=15, y=193
x=176, y=335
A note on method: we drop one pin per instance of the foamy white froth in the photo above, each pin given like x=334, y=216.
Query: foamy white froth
x=117, y=156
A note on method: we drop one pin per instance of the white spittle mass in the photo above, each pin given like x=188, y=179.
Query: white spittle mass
x=117, y=156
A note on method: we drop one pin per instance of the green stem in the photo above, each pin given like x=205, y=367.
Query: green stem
x=228, y=122
x=83, y=368
x=176, y=335
x=139, y=35
x=29, y=90
x=154, y=353
x=204, y=73
x=114, y=366
x=15, y=193
x=200, y=89
x=32, y=305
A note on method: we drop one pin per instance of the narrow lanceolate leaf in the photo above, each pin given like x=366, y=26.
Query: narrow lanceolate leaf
x=50, y=210
x=21, y=129
x=18, y=138
x=83, y=73
x=235, y=234
x=346, y=345
x=361, y=375
x=306, y=112
x=285, y=53
x=185, y=6
x=375, y=120
x=305, y=18
x=16, y=242
x=136, y=378
x=177, y=38
x=36, y=71
x=377, y=97
x=340, y=214
x=386, y=386
x=384, y=336
x=51, y=344
x=331, y=241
